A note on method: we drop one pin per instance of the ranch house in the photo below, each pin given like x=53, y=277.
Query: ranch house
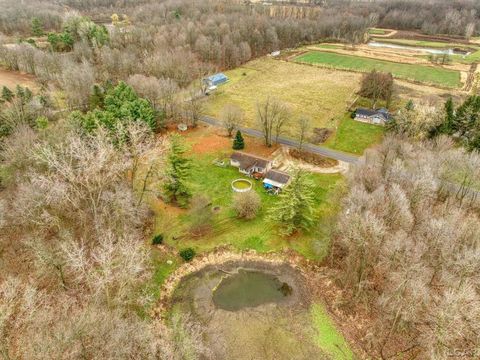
x=377, y=117
x=275, y=180
x=249, y=164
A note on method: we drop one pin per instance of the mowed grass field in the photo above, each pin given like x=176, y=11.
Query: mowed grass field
x=421, y=73
x=421, y=43
x=354, y=136
x=321, y=94
x=260, y=233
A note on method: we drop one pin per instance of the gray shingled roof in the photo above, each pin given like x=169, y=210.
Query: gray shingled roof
x=247, y=160
x=277, y=176
x=367, y=112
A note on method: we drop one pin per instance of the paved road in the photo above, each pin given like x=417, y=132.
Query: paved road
x=337, y=155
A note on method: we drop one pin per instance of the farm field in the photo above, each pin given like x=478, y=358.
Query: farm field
x=421, y=73
x=375, y=31
x=421, y=43
x=474, y=55
x=321, y=94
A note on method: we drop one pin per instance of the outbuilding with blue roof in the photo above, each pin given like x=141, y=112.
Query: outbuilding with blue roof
x=216, y=79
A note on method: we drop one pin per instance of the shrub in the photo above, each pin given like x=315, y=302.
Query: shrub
x=320, y=135
x=201, y=215
x=157, y=239
x=187, y=254
x=247, y=204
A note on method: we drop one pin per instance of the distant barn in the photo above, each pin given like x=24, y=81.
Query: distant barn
x=216, y=79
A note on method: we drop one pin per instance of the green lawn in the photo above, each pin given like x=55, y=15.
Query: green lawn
x=374, y=31
x=329, y=46
x=354, y=136
x=259, y=234
x=328, y=337
x=421, y=43
x=422, y=73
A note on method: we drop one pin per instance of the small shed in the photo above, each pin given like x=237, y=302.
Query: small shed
x=275, y=179
x=216, y=79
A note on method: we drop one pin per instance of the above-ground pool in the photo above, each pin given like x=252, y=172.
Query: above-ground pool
x=241, y=185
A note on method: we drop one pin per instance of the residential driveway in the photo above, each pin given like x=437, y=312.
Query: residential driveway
x=337, y=155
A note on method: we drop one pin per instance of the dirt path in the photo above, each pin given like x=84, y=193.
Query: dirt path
x=11, y=79
x=470, y=77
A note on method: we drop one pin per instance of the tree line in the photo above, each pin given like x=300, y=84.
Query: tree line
x=408, y=245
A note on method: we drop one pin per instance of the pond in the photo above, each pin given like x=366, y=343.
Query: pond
x=419, y=49
x=249, y=288
x=245, y=310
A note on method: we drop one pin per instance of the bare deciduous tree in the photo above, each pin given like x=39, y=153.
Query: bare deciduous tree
x=232, y=117
x=272, y=116
x=302, y=131
x=412, y=247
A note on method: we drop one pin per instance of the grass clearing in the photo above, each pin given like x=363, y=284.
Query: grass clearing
x=354, y=136
x=421, y=43
x=321, y=94
x=329, y=46
x=421, y=73
x=328, y=337
x=375, y=31
x=258, y=234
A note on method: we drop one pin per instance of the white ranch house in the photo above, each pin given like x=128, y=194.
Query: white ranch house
x=249, y=164
x=377, y=117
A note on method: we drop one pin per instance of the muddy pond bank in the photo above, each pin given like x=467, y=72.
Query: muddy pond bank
x=248, y=310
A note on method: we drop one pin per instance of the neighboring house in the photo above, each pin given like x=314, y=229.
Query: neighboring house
x=215, y=80
x=250, y=164
x=377, y=117
x=275, y=180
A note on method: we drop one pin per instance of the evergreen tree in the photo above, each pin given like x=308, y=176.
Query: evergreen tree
x=178, y=170
x=7, y=94
x=238, y=142
x=124, y=104
x=448, y=125
x=37, y=27
x=97, y=98
x=410, y=105
x=294, y=209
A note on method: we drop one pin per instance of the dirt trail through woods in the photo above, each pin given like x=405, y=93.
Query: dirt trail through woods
x=11, y=79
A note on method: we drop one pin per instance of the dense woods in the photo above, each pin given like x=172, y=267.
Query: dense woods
x=409, y=239
x=74, y=264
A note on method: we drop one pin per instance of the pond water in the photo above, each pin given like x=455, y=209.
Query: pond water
x=249, y=288
x=418, y=49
